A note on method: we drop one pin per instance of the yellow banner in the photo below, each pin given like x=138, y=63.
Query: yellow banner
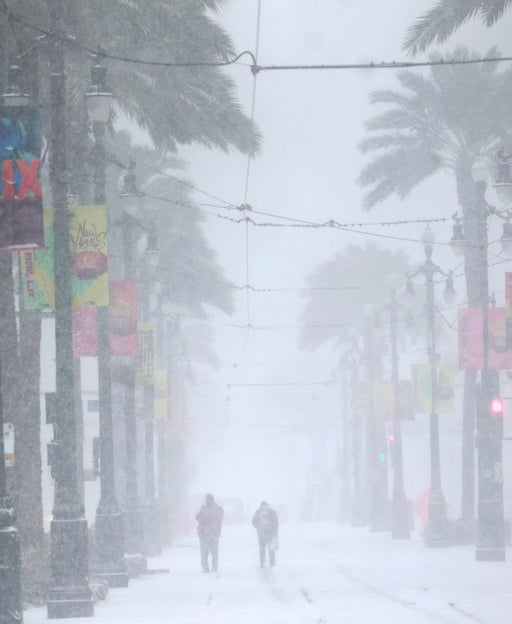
x=161, y=404
x=37, y=271
x=422, y=383
x=89, y=261
x=147, y=346
x=88, y=245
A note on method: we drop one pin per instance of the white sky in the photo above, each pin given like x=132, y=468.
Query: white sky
x=311, y=122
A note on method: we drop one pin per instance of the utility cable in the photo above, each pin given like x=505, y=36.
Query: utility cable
x=254, y=67
x=245, y=204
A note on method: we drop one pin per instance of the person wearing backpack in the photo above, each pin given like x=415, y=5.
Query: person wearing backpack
x=266, y=524
x=209, y=519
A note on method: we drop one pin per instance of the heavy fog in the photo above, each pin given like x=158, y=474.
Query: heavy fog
x=285, y=322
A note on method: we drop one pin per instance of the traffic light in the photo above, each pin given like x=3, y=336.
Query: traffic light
x=496, y=407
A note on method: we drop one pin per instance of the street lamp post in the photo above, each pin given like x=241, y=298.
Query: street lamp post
x=137, y=537
x=491, y=530
x=400, y=523
x=69, y=594
x=436, y=530
x=378, y=516
x=109, y=520
x=152, y=531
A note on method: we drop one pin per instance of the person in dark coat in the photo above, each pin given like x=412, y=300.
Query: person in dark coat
x=267, y=525
x=209, y=519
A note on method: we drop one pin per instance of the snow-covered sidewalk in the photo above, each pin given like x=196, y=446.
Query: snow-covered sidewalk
x=325, y=574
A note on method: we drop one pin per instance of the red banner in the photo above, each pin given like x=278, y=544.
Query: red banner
x=124, y=339
x=471, y=348
x=85, y=332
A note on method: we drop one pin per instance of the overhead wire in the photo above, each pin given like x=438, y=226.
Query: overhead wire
x=245, y=204
x=254, y=67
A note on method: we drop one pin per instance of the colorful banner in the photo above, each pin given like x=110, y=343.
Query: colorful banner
x=89, y=255
x=85, y=332
x=21, y=196
x=147, y=346
x=508, y=308
x=37, y=271
x=124, y=339
x=471, y=349
x=88, y=247
x=422, y=389
x=161, y=406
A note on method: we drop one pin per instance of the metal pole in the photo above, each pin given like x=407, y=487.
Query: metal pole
x=376, y=475
x=400, y=528
x=134, y=513
x=153, y=544
x=346, y=493
x=491, y=529
x=109, y=527
x=11, y=610
x=437, y=524
x=69, y=594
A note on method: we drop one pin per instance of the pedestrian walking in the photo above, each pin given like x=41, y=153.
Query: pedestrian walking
x=209, y=519
x=266, y=523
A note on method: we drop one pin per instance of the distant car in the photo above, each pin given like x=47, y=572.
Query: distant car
x=234, y=510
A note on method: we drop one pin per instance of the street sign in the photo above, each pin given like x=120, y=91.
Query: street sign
x=9, y=444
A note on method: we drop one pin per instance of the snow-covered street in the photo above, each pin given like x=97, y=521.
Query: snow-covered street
x=325, y=574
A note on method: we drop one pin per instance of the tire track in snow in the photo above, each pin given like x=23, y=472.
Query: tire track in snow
x=425, y=611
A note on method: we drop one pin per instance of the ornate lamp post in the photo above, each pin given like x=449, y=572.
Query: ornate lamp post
x=137, y=536
x=352, y=497
x=376, y=476
x=489, y=427
x=436, y=530
x=109, y=520
x=69, y=594
x=400, y=523
x=153, y=533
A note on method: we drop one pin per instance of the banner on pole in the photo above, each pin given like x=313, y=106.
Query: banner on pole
x=9, y=444
x=21, y=197
x=85, y=332
x=89, y=255
x=88, y=248
x=422, y=387
x=124, y=339
x=471, y=347
x=37, y=271
x=147, y=345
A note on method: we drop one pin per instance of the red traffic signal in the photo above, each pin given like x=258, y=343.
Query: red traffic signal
x=496, y=406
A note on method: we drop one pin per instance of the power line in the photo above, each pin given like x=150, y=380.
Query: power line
x=254, y=67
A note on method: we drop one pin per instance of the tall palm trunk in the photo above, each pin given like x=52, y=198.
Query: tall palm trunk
x=29, y=499
x=471, y=200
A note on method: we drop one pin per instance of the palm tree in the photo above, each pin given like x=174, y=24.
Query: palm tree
x=442, y=121
x=447, y=16
x=355, y=276
x=174, y=105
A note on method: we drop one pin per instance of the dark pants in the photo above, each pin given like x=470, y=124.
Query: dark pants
x=208, y=546
x=264, y=541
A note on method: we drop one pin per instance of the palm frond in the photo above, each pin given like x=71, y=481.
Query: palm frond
x=492, y=10
x=440, y=22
